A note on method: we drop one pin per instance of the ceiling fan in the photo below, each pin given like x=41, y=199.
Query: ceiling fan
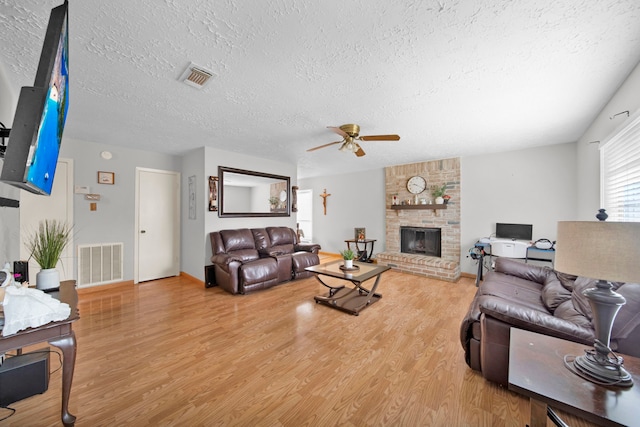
x=350, y=134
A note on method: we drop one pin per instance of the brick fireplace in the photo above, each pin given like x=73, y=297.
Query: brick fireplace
x=446, y=266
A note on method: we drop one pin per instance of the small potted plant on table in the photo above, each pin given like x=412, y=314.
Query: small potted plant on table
x=46, y=246
x=348, y=255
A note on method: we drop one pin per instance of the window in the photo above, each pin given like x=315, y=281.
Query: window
x=620, y=173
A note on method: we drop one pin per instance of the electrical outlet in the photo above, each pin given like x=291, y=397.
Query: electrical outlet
x=81, y=189
x=95, y=197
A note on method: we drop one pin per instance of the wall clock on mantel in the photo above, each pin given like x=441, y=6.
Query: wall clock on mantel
x=416, y=184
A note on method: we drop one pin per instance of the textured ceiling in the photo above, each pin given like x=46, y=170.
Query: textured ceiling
x=450, y=77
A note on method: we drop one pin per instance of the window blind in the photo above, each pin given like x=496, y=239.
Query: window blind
x=620, y=173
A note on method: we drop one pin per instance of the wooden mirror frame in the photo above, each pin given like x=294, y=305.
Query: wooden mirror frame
x=280, y=183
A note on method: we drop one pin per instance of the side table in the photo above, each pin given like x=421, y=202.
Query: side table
x=59, y=334
x=363, y=256
x=537, y=370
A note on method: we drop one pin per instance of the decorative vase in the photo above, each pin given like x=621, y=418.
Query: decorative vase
x=348, y=263
x=439, y=201
x=48, y=278
x=602, y=215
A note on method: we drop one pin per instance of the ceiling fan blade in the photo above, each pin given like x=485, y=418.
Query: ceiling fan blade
x=380, y=138
x=325, y=145
x=338, y=131
x=360, y=152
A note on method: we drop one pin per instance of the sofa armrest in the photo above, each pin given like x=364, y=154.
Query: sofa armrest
x=265, y=253
x=307, y=247
x=224, y=260
x=533, y=320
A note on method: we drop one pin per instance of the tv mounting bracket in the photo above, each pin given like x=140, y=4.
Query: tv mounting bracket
x=4, y=133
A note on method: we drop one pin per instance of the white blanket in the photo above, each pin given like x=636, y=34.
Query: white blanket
x=28, y=308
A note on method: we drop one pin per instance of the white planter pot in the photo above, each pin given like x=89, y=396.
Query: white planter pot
x=348, y=263
x=439, y=201
x=48, y=278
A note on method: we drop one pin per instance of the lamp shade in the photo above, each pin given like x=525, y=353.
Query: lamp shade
x=599, y=250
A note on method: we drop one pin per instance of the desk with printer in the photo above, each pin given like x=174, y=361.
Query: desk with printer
x=512, y=241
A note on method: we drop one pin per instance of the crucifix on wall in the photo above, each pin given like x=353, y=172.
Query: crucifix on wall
x=324, y=200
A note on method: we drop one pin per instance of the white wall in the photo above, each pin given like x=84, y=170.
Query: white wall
x=193, y=235
x=625, y=99
x=210, y=158
x=9, y=217
x=357, y=200
x=533, y=186
x=114, y=219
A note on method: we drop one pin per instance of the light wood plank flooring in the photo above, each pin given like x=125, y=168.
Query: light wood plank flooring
x=172, y=353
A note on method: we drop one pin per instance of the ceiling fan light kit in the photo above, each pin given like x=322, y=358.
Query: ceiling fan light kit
x=350, y=133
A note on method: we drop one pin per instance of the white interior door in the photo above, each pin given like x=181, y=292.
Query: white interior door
x=305, y=214
x=59, y=205
x=157, y=224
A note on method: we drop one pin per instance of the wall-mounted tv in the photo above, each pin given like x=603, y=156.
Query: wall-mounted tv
x=514, y=231
x=34, y=142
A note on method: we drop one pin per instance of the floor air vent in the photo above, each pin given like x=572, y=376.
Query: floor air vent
x=99, y=264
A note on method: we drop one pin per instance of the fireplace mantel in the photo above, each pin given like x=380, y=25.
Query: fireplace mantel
x=432, y=206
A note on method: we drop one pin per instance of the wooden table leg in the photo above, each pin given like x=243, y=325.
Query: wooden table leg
x=68, y=346
x=538, y=413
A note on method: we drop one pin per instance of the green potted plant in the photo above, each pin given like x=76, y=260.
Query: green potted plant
x=274, y=201
x=437, y=192
x=348, y=255
x=46, y=246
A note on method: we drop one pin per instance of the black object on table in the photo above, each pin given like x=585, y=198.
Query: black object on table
x=363, y=256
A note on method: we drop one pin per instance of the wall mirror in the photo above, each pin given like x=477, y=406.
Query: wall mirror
x=250, y=193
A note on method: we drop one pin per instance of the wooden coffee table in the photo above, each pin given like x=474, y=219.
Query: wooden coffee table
x=350, y=300
x=537, y=370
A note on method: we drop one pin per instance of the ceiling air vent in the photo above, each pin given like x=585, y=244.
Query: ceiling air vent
x=195, y=76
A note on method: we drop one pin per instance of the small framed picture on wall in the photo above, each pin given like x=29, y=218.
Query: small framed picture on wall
x=106, y=177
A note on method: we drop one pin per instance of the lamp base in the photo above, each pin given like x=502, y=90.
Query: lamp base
x=606, y=372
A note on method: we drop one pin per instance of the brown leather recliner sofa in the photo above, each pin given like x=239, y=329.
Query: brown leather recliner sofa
x=247, y=260
x=541, y=300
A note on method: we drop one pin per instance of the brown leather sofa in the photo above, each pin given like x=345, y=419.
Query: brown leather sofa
x=541, y=300
x=247, y=260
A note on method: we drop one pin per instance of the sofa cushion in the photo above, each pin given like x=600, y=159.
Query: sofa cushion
x=628, y=318
x=282, y=239
x=235, y=240
x=554, y=293
x=567, y=311
x=579, y=300
x=513, y=289
x=534, y=320
x=259, y=271
x=302, y=260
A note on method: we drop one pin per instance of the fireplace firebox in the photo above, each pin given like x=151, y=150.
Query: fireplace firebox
x=421, y=241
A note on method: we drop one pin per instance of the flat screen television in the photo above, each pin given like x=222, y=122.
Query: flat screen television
x=514, y=231
x=34, y=141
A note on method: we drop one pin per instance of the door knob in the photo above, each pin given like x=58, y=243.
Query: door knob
x=143, y=231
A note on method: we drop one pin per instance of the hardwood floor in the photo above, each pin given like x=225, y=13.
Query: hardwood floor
x=170, y=352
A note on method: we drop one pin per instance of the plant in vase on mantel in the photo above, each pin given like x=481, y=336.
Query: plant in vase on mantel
x=46, y=246
x=438, y=193
x=348, y=255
